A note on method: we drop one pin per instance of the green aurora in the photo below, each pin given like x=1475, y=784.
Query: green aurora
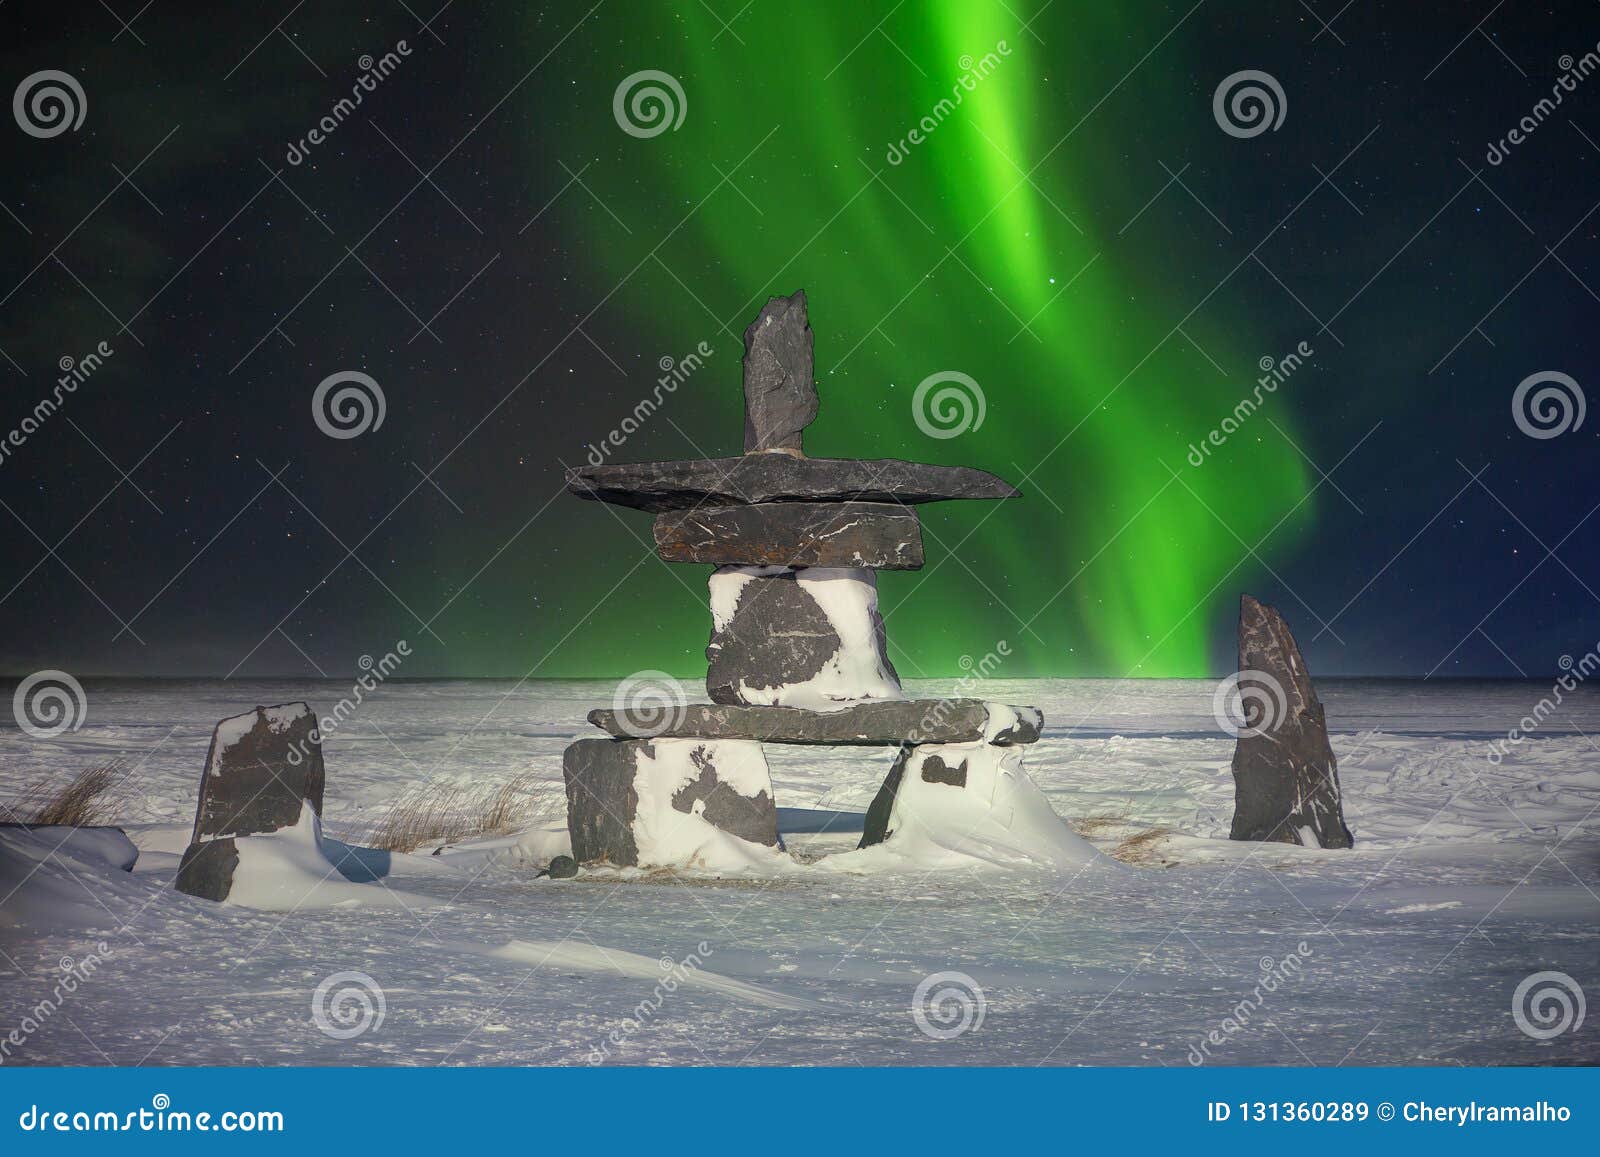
x=1013, y=209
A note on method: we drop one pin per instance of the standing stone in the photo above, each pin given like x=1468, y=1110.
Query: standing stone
x=663, y=802
x=1286, y=780
x=809, y=637
x=780, y=397
x=260, y=767
x=207, y=868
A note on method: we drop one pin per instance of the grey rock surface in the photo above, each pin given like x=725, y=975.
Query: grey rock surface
x=207, y=868
x=683, y=485
x=601, y=800
x=780, y=393
x=780, y=646
x=603, y=778
x=261, y=765
x=1286, y=780
x=880, y=535
x=886, y=723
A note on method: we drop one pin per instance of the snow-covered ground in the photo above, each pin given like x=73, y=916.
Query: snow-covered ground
x=1467, y=877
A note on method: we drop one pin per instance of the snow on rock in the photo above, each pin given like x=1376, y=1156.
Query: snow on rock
x=705, y=804
x=950, y=804
x=261, y=766
x=288, y=870
x=1007, y=725
x=797, y=637
x=695, y=803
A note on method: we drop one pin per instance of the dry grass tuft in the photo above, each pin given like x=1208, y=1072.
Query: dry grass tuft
x=430, y=815
x=1092, y=827
x=1103, y=824
x=80, y=803
x=1142, y=848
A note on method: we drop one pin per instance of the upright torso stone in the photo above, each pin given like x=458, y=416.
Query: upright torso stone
x=808, y=637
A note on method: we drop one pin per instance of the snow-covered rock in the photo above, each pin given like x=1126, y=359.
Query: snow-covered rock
x=797, y=637
x=283, y=871
x=948, y=804
x=671, y=803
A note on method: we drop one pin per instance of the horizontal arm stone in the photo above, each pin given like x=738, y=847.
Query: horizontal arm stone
x=880, y=535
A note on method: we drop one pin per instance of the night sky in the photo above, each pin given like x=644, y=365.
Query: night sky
x=1079, y=236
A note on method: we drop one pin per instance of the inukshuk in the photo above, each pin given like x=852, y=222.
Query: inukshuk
x=797, y=651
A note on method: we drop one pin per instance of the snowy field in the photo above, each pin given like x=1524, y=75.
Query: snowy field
x=1467, y=877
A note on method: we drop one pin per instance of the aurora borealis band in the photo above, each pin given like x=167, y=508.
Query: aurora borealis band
x=1277, y=362
x=993, y=249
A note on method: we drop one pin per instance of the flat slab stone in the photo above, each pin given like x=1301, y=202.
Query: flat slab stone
x=1286, y=780
x=780, y=394
x=810, y=638
x=880, y=535
x=881, y=723
x=667, y=802
x=260, y=767
x=658, y=486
